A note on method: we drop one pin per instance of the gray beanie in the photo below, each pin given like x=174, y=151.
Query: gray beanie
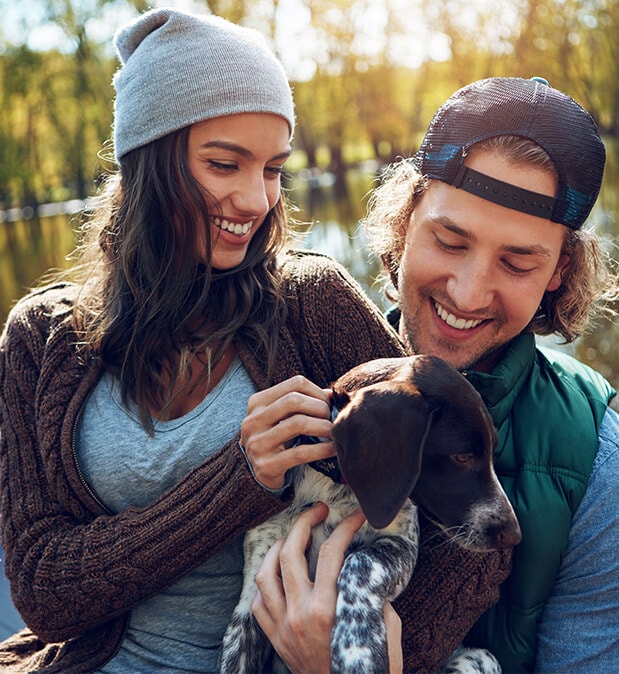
x=179, y=68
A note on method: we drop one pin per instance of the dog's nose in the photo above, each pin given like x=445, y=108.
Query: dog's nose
x=509, y=536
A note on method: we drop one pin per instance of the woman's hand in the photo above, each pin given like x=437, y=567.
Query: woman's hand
x=297, y=615
x=275, y=418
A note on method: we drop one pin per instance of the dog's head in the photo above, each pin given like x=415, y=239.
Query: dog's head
x=416, y=428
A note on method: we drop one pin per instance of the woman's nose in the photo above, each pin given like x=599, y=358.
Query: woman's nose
x=252, y=196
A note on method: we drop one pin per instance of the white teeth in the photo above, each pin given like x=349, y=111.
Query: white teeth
x=234, y=228
x=453, y=322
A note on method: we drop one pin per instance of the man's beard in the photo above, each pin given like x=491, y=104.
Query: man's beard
x=477, y=362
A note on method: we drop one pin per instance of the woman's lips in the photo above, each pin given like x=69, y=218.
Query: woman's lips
x=236, y=228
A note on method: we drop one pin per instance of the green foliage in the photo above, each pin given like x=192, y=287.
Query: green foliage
x=378, y=74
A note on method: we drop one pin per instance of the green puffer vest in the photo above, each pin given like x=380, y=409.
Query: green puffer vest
x=547, y=408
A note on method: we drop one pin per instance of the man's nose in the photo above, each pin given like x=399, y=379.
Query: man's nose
x=471, y=286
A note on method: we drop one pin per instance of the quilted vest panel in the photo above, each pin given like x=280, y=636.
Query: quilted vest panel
x=547, y=408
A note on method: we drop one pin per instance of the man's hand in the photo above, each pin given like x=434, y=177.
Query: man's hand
x=297, y=614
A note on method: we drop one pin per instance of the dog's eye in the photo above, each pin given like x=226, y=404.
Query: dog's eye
x=462, y=458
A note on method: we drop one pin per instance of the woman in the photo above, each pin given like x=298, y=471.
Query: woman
x=125, y=489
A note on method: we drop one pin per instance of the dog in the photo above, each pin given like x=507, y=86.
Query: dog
x=409, y=432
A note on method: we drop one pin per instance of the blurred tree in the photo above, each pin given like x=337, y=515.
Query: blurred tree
x=335, y=23
x=367, y=93
x=18, y=168
x=381, y=103
x=21, y=68
x=594, y=59
x=77, y=92
x=384, y=94
x=233, y=10
x=22, y=171
x=478, y=34
x=360, y=93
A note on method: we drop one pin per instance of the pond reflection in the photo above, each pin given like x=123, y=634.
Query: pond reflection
x=336, y=231
x=28, y=248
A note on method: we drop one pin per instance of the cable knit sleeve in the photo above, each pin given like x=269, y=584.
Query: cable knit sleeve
x=72, y=566
x=333, y=322
x=450, y=588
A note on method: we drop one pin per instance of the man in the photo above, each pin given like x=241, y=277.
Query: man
x=482, y=236
x=485, y=253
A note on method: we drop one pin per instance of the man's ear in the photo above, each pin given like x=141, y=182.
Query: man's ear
x=557, y=277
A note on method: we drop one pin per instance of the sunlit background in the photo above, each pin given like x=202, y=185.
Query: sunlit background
x=367, y=76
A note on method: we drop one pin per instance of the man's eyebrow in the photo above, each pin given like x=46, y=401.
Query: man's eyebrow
x=451, y=226
x=535, y=249
x=240, y=150
x=542, y=251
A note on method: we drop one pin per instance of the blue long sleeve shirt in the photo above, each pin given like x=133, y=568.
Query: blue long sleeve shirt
x=579, y=628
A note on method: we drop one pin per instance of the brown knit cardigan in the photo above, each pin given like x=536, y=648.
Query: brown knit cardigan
x=76, y=571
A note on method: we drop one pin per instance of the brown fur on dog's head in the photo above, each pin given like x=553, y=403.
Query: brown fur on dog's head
x=415, y=427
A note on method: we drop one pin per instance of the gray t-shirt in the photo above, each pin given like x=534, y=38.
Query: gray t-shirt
x=179, y=630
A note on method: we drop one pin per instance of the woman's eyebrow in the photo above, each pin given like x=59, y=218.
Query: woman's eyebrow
x=240, y=150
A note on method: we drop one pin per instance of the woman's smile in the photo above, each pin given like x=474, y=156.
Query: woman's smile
x=236, y=228
x=238, y=161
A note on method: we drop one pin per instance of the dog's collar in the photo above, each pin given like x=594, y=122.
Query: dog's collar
x=329, y=467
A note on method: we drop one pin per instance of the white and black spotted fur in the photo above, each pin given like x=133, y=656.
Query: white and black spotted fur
x=471, y=661
x=409, y=431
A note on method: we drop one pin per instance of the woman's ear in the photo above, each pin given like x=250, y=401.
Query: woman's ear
x=557, y=277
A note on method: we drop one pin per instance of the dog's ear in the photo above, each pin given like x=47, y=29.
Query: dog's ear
x=379, y=437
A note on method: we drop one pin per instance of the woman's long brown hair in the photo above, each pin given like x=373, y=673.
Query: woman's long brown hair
x=147, y=303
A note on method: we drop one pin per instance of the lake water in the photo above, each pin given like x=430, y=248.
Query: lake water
x=27, y=249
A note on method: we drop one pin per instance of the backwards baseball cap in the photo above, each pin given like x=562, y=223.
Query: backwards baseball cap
x=180, y=68
x=531, y=109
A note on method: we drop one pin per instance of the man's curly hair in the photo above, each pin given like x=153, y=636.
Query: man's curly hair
x=588, y=281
